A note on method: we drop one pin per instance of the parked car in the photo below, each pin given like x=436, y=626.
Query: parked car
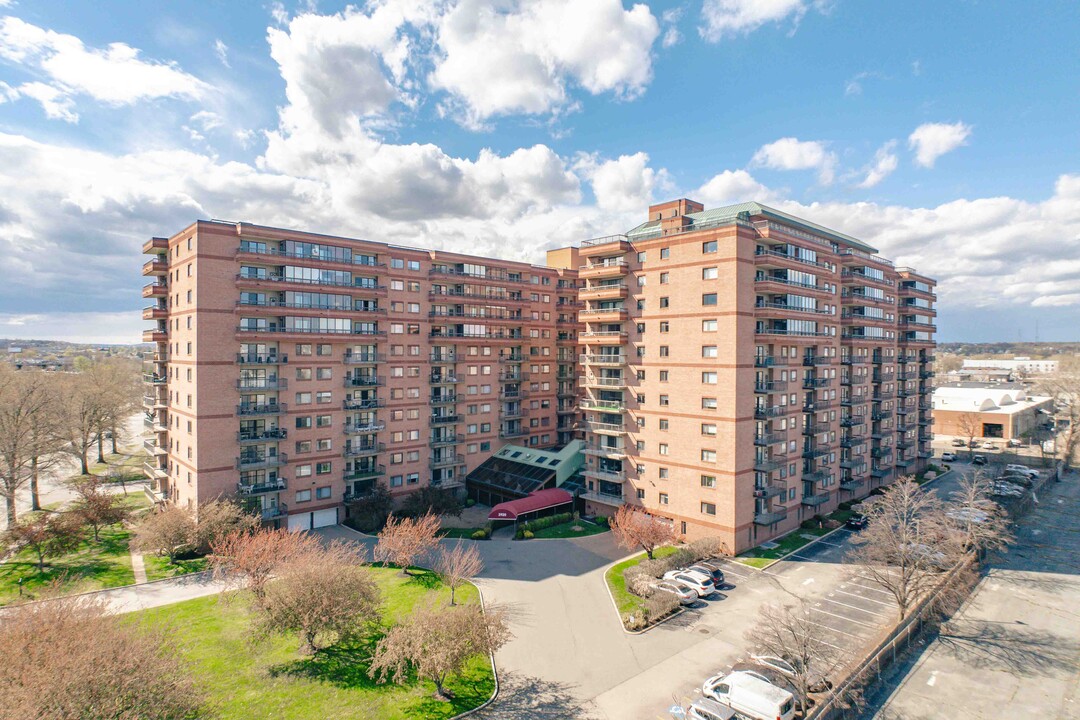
x=1015, y=442
x=1016, y=478
x=957, y=442
x=1007, y=489
x=948, y=457
x=966, y=515
x=787, y=666
x=1022, y=469
x=989, y=446
x=973, y=443
x=978, y=460
x=698, y=582
x=686, y=595
x=751, y=696
x=707, y=568
x=856, y=522
x=709, y=709
x=934, y=558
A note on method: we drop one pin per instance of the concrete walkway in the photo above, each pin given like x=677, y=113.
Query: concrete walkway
x=138, y=567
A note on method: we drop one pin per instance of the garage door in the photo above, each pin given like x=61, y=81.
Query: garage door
x=323, y=518
x=299, y=522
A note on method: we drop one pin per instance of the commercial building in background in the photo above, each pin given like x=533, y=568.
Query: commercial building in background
x=744, y=370
x=990, y=411
x=1017, y=365
x=297, y=370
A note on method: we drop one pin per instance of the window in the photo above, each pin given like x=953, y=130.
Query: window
x=324, y=373
x=665, y=326
x=303, y=471
x=640, y=493
x=708, y=378
x=665, y=278
x=641, y=328
x=708, y=299
x=641, y=281
x=324, y=397
x=322, y=421
x=397, y=263
x=303, y=421
x=664, y=423
x=303, y=398
x=708, y=247
x=323, y=444
x=396, y=480
x=641, y=257
x=708, y=508
x=664, y=302
x=303, y=446
x=324, y=349
x=303, y=495
x=322, y=493
x=303, y=349
x=303, y=373
x=708, y=403
x=709, y=273
x=708, y=429
x=665, y=401
x=664, y=449
x=708, y=326
x=708, y=456
x=664, y=351
x=663, y=498
x=708, y=351
x=322, y=468
x=414, y=264
x=665, y=253
x=708, y=481
x=663, y=376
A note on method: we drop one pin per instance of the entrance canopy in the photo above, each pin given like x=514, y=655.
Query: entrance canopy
x=533, y=502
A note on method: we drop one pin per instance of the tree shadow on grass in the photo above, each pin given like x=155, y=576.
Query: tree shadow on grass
x=344, y=666
x=425, y=579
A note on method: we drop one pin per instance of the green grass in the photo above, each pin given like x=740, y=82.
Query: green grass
x=270, y=680
x=565, y=530
x=760, y=557
x=158, y=568
x=464, y=533
x=626, y=601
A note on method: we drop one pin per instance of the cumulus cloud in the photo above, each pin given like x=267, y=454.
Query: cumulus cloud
x=115, y=75
x=726, y=18
x=730, y=187
x=932, y=140
x=519, y=57
x=793, y=154
x=625, y=184
x=884, y=164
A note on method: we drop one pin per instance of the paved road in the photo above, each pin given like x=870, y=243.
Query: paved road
x=1014, y=649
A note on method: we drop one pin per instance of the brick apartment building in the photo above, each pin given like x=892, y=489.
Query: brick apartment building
x=744, y=370
x=297, y=370
x=735, y=370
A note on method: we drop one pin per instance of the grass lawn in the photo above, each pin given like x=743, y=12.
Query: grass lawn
x=760, y=557
x=565, y=530
x=270, y=680
x=92, y=567
x=465, y=533
x=158, y=568
x=624, y=599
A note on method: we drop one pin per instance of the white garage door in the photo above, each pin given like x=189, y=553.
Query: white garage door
x=323, y=518
x=299, y=522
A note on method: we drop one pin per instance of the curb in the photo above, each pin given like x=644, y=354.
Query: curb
x=494, y=671
x=206, y=573
x=615, y=606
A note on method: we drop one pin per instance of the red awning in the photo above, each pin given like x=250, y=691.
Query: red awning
x=538, y=500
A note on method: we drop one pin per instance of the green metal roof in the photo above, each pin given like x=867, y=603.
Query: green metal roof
x=746, y=210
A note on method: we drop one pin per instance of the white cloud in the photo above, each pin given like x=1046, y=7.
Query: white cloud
x=932, y=140
x=625, y=184
x=115, y=75
x=670, y=20
x=884, y=164
x=519, y=57
x=222, y=52
x=793, y=154
x=854, y=86
x=77, y=327
x=730, y=187
x=726, y=18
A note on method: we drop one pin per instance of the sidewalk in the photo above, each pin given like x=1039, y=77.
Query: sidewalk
x=130, y=598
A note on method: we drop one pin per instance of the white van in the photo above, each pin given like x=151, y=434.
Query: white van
x=749, y=695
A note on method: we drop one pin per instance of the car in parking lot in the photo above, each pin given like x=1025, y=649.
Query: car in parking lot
x=989, y=446
x=948, y=456
x=1015, y=442
x=978, y=460
x=788, y=667
x=966, y=515
x=709, y=709
x=1022, y=469
x=1007, y=489
x=698, y=582
x=712, y=571
x=751, y=695
x=686, y=595
x=957, y=442
x=856, y=522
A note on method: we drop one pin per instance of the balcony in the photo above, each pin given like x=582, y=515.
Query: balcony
x=770, y=518
x=444, y=419
x=254, y=359
x=155, y=336
x=274, y=512
x=881, y=396
x=155, y=267
x=155, y=290
x=767, y=439
x=853, y=360
x=593, y=381
x=852, y=421
x=812, y=383
x=512, y=358
x=851, y=441
x=566, y=409
x=763, y=412
x=607, y=268
x=261, y=488
x=513, y=394
x=356, y=450
x=604, y=337
x=815, y=450
x=363, y=403
x=816, y=499
x=815, y=428
x=364, y=381
x=879, y=415
x=444, y=440
x=605, y=451
x=604, y=498
x=156, y=246
x=363, y=428
x=515, y=414
x=850, y=484
x=767, y=386
x=608, y=245
x=443, y=399
x=511, y=433
x=260, y=409
x=764, y=257
x=787, y=332
x=152, y=379
x=782, y=284
x=853, y=463
x=443, y=379
x=604, y=428
x=261, y=384
x=602, y=405
x=153, y=448
x=881, y=453
x=816, y=406
x=440, y=358
x=154, y=472
x=607, y=291
x=878, y=471
x=769, y=490
x=364, y=472
x=774, y=309
x=446, y=460
x=606, y=475
x=253, y=436
x=369, y=358
x=514, y=375
x=603, y=315
x=154, y=312
x=768, y=361
x=256, y=461
x=769, y=464
x=609, y=360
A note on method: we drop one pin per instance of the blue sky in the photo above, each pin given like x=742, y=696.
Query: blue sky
x=944, y=133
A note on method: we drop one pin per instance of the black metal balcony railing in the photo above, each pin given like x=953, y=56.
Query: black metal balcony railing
x=256, y=359
x=260, y=409
x=769, y=438
x=261, y=487
x=364, y=471
x=766, y=386
x=443, y=379
x=443, y=398
x=363, y=428
x=444, y=440
x=443, y=357
x=811, y=383
x=363, y=450
x=444, y=419
x=250, y=461
x=270, y=435
x=446, y=460
x=363, y=403
x=366, y=358
x=815, y=451
x=762, y=412
x=261, y=384
x=364, y=381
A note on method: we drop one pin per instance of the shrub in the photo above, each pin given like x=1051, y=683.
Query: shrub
x=519, y=535
x=634, y=621
x=601, y=521
x=368, y=514
x=480, y=534
x=469, y=503
x=637, y=582
x=528, y=535
x=551, y=521
x=434, y=500
x=659, y=605
x=706, y=548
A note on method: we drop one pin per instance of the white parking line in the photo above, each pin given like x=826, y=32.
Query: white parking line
x=864, y=587
x=846, y=619
x=832, y=629
x=824, y=542
x=867, y=599
x=855, y=607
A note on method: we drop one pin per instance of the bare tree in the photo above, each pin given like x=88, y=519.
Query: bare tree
x=403, y=540
x=47, y=535
x=907, y=542
x=24, y=404
x=458, y=566
x=167, y=533
x=67, y=658
x=82, y=417
x=96, y=507
x=970, y=427
x=121, y=389
x=435, y=642
x=325, y=596
x=1064, y=387
x=634, y=528
x=790, y=632
x=218, y=518
x=983, y=525
x=251, y=559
